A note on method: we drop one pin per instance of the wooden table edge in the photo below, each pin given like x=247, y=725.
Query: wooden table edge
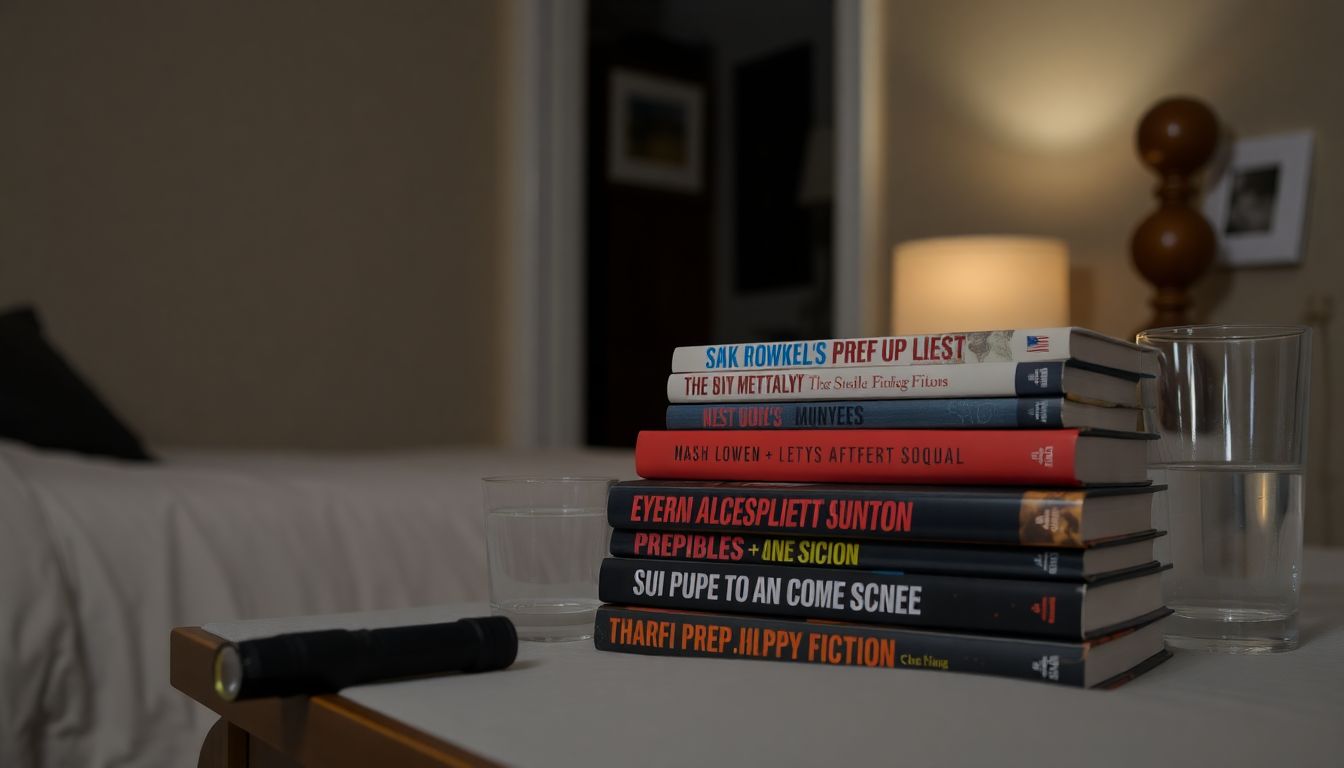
x=326, y=730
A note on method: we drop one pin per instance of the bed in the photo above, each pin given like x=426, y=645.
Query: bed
x=100, y=558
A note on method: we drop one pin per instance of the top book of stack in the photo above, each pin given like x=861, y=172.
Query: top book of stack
x=1077, y=346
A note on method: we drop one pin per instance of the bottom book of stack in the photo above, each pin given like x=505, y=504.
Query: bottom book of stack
x=1105, y=661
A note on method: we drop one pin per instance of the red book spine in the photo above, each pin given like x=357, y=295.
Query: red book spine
x=935, y=456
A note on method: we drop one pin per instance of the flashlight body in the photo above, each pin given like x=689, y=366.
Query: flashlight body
x=326, y=661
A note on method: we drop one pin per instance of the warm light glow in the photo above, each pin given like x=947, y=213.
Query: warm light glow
x=1057, y=75
x=979, y=283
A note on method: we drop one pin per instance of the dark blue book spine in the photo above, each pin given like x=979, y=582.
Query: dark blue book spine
x=1039, y=379
x=979, y=604
x=825, y=552
x=892, y=513
x=958, y=413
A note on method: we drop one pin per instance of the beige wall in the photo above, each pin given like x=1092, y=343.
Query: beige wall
x=1019, y=117
x=262, y=223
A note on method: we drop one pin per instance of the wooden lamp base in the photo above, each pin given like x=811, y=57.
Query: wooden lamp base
x=1174, y=245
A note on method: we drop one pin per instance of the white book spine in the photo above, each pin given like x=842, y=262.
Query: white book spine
x=870, y=383
x=1022, y=345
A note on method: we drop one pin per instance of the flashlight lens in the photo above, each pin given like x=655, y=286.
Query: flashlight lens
x=228, y=673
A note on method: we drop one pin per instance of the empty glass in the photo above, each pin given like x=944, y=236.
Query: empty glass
x=545, y=541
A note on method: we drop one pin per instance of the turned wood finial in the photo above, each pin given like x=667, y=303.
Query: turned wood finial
x=1175, y=244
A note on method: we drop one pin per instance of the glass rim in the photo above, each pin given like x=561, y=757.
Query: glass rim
x=1219, y=332
x=538, y=479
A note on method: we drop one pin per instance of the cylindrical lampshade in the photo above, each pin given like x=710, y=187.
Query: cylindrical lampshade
x=979, y=283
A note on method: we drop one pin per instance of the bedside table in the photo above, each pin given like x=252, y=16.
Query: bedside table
x=568, y=704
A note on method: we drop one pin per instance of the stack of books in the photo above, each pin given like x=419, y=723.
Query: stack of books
x=960, y=502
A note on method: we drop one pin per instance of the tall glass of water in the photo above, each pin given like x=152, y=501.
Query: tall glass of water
x=1230, y=404
x=545, y=541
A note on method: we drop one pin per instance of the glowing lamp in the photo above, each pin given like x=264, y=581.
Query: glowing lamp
x=979, y=283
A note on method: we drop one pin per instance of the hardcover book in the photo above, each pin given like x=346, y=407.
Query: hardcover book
x=1106, y=661
x=906, y=382
x=1080, y=345
x=1052, y=457
x=1099, y=561
x=1072, y=610
x=956, y=413
x=1013, y=516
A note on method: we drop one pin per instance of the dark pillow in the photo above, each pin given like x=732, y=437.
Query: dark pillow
x=43, y=402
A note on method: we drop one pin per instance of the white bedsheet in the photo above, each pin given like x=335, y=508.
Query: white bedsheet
x=100, y=559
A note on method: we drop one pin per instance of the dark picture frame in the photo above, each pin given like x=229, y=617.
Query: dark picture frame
x=656, y=132
x=1258, y=204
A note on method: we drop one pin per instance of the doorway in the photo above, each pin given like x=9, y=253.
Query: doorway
x=708, y=195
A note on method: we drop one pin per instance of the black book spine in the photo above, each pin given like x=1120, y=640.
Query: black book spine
x=1052, y=518
x=677, y=633
x=810, y=551
x=999, y=606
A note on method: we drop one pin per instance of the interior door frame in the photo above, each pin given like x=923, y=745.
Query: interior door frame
x=543, y=368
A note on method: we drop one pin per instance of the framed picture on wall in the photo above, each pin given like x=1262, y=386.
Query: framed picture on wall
x=656, y=132
x=1258, y=204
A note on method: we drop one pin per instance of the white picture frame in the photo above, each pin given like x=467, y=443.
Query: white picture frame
x=656, y=132
x=1258, y=204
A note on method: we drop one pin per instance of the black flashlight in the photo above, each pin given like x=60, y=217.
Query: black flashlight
x=326, y=661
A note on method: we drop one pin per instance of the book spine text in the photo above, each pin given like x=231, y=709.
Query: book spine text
x=955, y=413
x=1005, y=346
x=1006, y=606
x=1039, y=518
x=873, y=383
x=984, y=457
x=678, y=633
x=1003, y=562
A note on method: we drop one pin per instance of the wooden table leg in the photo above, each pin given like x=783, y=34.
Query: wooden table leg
x=225, y=747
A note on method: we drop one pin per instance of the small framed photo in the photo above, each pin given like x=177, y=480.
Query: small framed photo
x=656, y=132
x=1258, y=205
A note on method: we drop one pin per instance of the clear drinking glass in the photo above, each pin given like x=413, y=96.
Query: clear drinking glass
x=1230, y=405
x=545, y=539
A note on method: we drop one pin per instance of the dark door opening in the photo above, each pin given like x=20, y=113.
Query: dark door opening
x=708, y=189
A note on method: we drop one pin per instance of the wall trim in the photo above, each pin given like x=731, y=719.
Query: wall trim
x=859, y=297
x=544, y=289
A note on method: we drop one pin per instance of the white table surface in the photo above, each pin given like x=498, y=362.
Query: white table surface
x=566, y=704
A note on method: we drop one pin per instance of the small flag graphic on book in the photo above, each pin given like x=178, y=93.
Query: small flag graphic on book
x=1038, y=343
